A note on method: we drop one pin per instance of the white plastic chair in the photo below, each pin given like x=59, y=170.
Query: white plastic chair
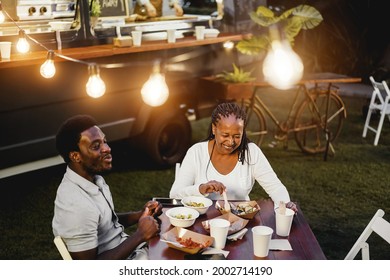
x=380, y=101
x=378, y=225
x=61, y=247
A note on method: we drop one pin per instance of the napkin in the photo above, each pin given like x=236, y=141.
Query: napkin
x=211, y=250
x=280, y=244
x=237, y=235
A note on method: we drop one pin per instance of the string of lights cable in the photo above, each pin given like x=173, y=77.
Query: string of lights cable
x=154, y=92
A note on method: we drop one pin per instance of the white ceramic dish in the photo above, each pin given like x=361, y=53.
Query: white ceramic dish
x=191, y=201
x=182, y=216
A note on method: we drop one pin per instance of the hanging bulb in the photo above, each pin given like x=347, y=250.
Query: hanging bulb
x=95, y=85
x=22, y=46
x=47, y=68
x=155, y=91
x=2, y=17
x=282, y=67
x=228, y=45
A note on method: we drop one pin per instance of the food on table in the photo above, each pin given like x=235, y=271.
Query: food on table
x=182, y=216
x=195, y=204
x=189, y=243
x=244, y=208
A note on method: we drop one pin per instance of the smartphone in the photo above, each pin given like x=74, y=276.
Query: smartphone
x=205, y=257
x=168, y=202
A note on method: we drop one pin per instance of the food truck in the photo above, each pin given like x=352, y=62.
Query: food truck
x=33, y=107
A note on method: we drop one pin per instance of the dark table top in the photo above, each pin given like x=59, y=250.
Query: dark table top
x=303, y=242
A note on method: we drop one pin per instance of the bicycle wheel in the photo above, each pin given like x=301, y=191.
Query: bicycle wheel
x=309, y=124
x=256, y=125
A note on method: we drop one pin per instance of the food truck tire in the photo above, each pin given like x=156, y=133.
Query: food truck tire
x=168, y=137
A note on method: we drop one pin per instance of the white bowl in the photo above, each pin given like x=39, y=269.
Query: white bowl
x=190, y=202
x=60, y=25
x=188, y=216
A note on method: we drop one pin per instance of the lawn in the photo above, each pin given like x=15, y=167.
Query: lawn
x=338, y=197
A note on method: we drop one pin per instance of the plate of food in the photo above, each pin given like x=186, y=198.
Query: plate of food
x=186, y=240
x=243, y=209
x=236, y=223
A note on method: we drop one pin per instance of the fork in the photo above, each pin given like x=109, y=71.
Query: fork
x=227, y=204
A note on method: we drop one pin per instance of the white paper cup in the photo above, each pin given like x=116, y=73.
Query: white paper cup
x=261, y=239
x=283, y=222
x=5, y=50
x=137, y=37
x=199, y=32
x=171, y=35
x=219, y=230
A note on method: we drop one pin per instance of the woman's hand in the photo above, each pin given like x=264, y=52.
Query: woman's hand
x=292, y=206
x=212, y=186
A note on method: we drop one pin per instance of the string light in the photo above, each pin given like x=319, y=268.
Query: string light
x=155, y=91
x=2, y=17
x=282, y=67
x=48, y=69
x=95, y=85
x=228, y=45
x=22, y=45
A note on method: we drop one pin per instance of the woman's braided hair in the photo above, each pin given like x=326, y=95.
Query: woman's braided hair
x=225, y=110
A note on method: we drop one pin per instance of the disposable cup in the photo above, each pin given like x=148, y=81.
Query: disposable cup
x=137, y=37
x=199, y=32
x=219, y=230
x=283, y=221
x=5, y=50
x=171, y=35
x=261, y=239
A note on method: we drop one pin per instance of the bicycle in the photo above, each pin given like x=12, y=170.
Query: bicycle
x=316, y=117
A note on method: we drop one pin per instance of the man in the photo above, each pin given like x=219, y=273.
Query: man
x=154, y=8
x=84, y=213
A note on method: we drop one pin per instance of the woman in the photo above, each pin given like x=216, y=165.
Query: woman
x=227, y=161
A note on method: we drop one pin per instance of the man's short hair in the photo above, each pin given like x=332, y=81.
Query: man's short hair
x=69, y=134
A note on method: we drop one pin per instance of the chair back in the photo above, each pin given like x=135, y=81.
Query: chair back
x=61, y=247
x=378, y=225
x=379, y=103
x=381, y=93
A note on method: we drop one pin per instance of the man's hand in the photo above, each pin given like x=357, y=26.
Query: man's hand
x=154, y=208
x=148, y=227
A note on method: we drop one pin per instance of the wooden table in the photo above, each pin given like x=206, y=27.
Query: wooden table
x=304, y=243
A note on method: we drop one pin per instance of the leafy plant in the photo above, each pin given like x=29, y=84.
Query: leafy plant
x=290, y=23
x=95, y=9
x=238, y=75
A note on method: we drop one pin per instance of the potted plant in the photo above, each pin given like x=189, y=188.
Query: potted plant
x=231, y=85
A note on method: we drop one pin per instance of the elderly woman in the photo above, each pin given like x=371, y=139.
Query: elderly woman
x=227, y=161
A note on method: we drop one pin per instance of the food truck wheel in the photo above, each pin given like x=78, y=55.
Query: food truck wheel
x=168, y=138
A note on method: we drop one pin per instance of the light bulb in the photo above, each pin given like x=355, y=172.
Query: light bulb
x=22, y=45
x=228, y=45
x=95, y=85
x=155, y=91
x=47, y=68
x=2, y=17
x=282, y=67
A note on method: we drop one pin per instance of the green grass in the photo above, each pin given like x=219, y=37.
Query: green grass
x=338, y=197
